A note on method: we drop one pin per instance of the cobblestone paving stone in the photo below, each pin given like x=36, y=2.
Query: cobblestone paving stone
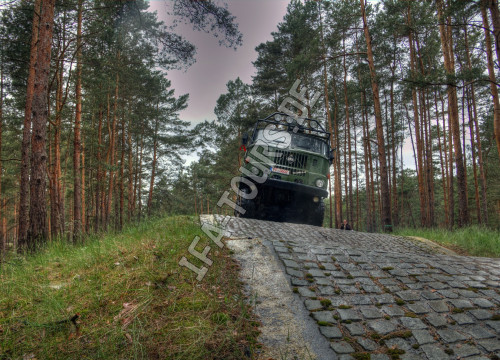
x=378, y=293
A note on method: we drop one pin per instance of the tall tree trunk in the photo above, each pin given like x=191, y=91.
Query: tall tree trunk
x=55, y=148
x=38, y=207
x=333, y=143
x=112, y=146
x=429, y=176
x=384, y=186
x=449, y=62
x=432, y=197
x=491, y=70
x=130, y=172
x=59, y=218
x=2, y=212
x=77, y=143
x=104, y=196
x=451, y=184
x=442, y=163
x=84, y=220
x=495, y=19
x=483, y=202
x=356, y=226
x=122, y=172
x=139, y=186
x=99, y=171
x=419, y=159
x=153, y=166
x=370, y=196
x=349, y=199
x=24, y=191
x=136, y=172
x=474, y=165
x=336, y=171
x=395, y=213
x=427, y=137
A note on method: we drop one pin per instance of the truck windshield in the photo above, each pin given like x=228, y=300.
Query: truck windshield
x=309, y=143
x=299, y=141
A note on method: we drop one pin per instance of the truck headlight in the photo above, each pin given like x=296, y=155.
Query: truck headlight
x=320, y=183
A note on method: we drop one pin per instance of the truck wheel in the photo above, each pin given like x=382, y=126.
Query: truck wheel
x=317, y=213
x=248, y=205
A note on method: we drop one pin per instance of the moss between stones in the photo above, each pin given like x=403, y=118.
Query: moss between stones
x=395, y=352
x=344, y=306
x=325, y=302
x=400, y=302
x=398, y=334
x=361, y=356
x=411, y=314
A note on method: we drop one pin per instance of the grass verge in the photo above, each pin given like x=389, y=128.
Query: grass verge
x=132, y=299
x=473, y=240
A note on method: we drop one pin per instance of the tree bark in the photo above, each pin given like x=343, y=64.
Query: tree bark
x=384, y=186
x=332, y=136
x=441, y=162
x=491, y=70
x=495, y=19
x=153, y=166
x=77, y=143
x=84, y=220
x=2, y=212
x=38, y=207
x=112, y=150
x=349, y=199
x=474, y=165
x=130, y=172
x=483, y=201
x=418, y=140
x=122, y=172
x=24, y=191
x=139, y=185
x=449, y=62
x=395, y=214
x=98, y=195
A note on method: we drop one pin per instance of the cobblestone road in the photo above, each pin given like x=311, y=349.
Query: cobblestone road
x=384, y=295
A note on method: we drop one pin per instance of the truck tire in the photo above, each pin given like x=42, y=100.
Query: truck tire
x=248, y=205
x=317, y=214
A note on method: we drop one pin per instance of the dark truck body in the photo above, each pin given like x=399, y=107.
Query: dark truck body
x=286, y=170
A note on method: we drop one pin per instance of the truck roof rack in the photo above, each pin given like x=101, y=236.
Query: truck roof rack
x=295, y=124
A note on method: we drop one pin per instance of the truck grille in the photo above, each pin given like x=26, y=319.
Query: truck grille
x=291, y=160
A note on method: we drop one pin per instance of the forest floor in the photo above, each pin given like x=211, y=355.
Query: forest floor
x=473, y=240
x=125, y=296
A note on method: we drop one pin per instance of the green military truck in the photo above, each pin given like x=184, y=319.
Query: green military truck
x=286, y=170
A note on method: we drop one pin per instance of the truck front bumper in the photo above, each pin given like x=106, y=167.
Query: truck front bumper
x=292, y=186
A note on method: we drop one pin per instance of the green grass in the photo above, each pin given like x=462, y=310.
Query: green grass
x=473, y=240
x=132, y=298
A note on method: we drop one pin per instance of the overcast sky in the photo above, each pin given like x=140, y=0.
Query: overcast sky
x=215, y=65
